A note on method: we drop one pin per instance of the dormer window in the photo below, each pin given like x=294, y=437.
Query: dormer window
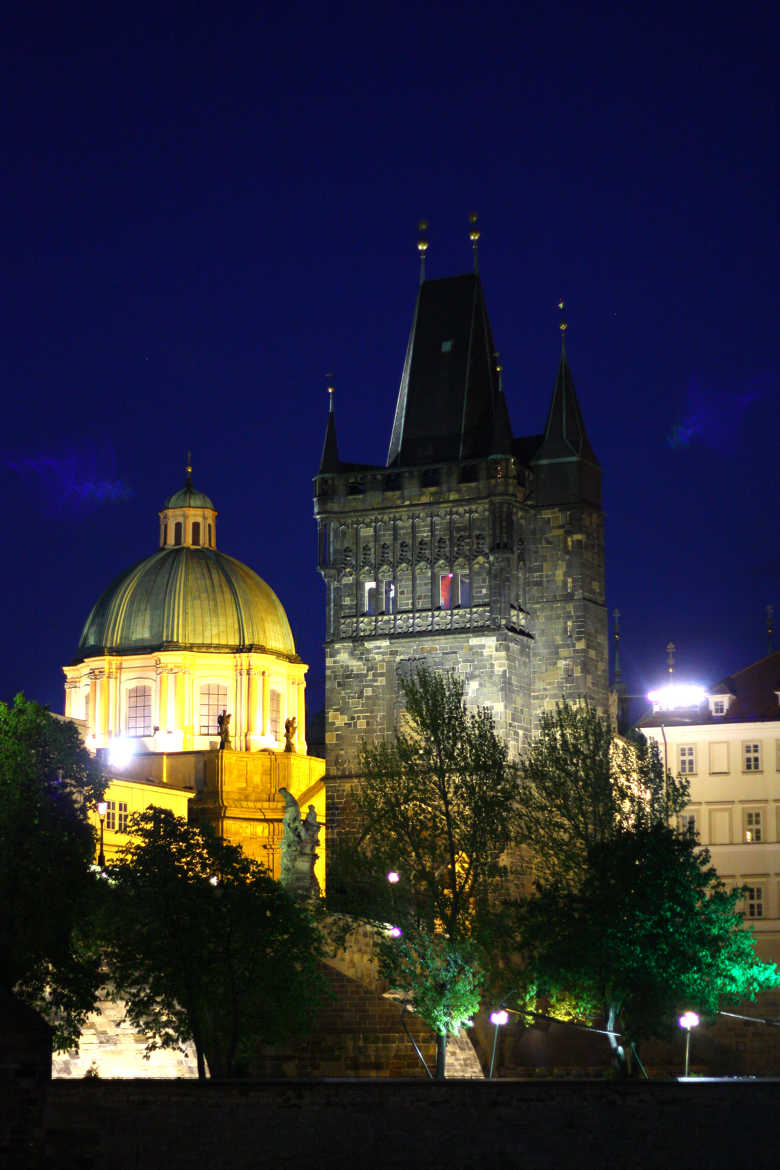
x=719, y=704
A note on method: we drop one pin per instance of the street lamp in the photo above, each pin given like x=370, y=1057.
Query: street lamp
x=393, y=877
x=497, y=1019
x=102, y=807
x=688, y=1020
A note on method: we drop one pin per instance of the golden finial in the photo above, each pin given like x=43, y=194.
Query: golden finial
x=671, y=650
x=474, y=234
x=422, y=246
x=563, y=326
x=188, y=469
x=330, y=392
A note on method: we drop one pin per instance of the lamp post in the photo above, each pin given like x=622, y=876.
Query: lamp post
x=497, y=1019
x=687, y=1021
x=102, y=806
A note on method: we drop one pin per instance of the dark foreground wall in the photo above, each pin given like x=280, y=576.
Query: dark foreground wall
x=405, y=1124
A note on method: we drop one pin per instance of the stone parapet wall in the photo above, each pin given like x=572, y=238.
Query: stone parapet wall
x=176, y=1125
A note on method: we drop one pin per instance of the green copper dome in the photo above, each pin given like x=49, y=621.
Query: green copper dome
x=188, y=497
x=188, y=598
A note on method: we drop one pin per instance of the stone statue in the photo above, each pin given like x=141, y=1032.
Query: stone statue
x=223, y=723
x=290, y=730
x=300, y=839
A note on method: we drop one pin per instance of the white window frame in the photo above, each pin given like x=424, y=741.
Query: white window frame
x=275, y=712
x=753, y=826
x=751, y=756
x=755, y=900
x=145, y=707
x=222, y=705
x=686, y=755
x=688, y=820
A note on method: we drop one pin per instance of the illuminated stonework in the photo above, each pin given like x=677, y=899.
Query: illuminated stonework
x=172, y=643
x=182, y=636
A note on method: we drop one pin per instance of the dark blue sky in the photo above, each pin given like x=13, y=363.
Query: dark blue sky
x=208, y=208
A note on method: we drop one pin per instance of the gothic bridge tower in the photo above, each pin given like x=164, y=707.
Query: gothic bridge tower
x=470, y=549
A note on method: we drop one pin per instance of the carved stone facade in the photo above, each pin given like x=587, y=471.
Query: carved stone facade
x=475, y=551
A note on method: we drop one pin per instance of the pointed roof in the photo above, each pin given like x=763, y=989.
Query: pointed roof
x=450, y=406
x=330, y=462
x=564, y=434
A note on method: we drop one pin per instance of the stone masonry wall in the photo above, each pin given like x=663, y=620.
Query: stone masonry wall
x=566, y=602
x=363, y=700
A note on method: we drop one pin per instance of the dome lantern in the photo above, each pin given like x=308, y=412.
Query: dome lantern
x=188, y=518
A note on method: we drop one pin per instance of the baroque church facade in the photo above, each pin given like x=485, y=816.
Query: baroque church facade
x=471, y=549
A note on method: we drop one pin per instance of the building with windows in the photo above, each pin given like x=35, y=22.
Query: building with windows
x=182, y=639
x=727, y=743
x=471, y=549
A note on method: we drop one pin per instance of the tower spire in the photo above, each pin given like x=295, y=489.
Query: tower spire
x=474, y=234
x=422, y=246
x=329, y=461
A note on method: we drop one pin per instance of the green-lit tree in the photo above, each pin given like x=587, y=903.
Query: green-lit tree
x=581, y=785
x=650, y=930
x=436, y=806
x=48, y=781
x=203, y=945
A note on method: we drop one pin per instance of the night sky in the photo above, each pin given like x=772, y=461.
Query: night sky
x=208, y=208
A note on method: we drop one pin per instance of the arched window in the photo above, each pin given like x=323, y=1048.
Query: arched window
x=165, y=533
x=139, y=710
x=211, y=542
x=177, y=532
x=213, y=701
x=196, y=532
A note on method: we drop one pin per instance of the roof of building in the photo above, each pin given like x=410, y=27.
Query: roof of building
x=188, y=497
x=450, y=405
x=754, y=689
x=754, y=698
x=188, y=598
x=564, y=437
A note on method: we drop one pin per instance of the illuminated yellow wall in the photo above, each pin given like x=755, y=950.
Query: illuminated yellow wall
x=238, y=793
x=125, y=797
x=97, y=691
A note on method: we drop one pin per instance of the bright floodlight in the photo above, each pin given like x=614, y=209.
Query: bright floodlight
x=677, y=695
x=688, y=1020
x=395, y=932
x=393, y=877
x=499, y=1018
x=102, y=808
x=120, y=753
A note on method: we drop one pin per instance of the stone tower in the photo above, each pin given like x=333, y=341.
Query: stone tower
x=470, y=550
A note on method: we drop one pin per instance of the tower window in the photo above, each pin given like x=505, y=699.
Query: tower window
x=177, y=532
x=196, y=532
x=454, y=590
x=369, y=588
x=139, y=711
x=165, y=533
x=389, y=597
x=213, y=701
x=211, y=539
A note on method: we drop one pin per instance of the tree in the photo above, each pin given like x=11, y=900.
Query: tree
x=437, y=806
x=204, y=945
x=650, y=930
x=581, y=785
x=48, y=782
